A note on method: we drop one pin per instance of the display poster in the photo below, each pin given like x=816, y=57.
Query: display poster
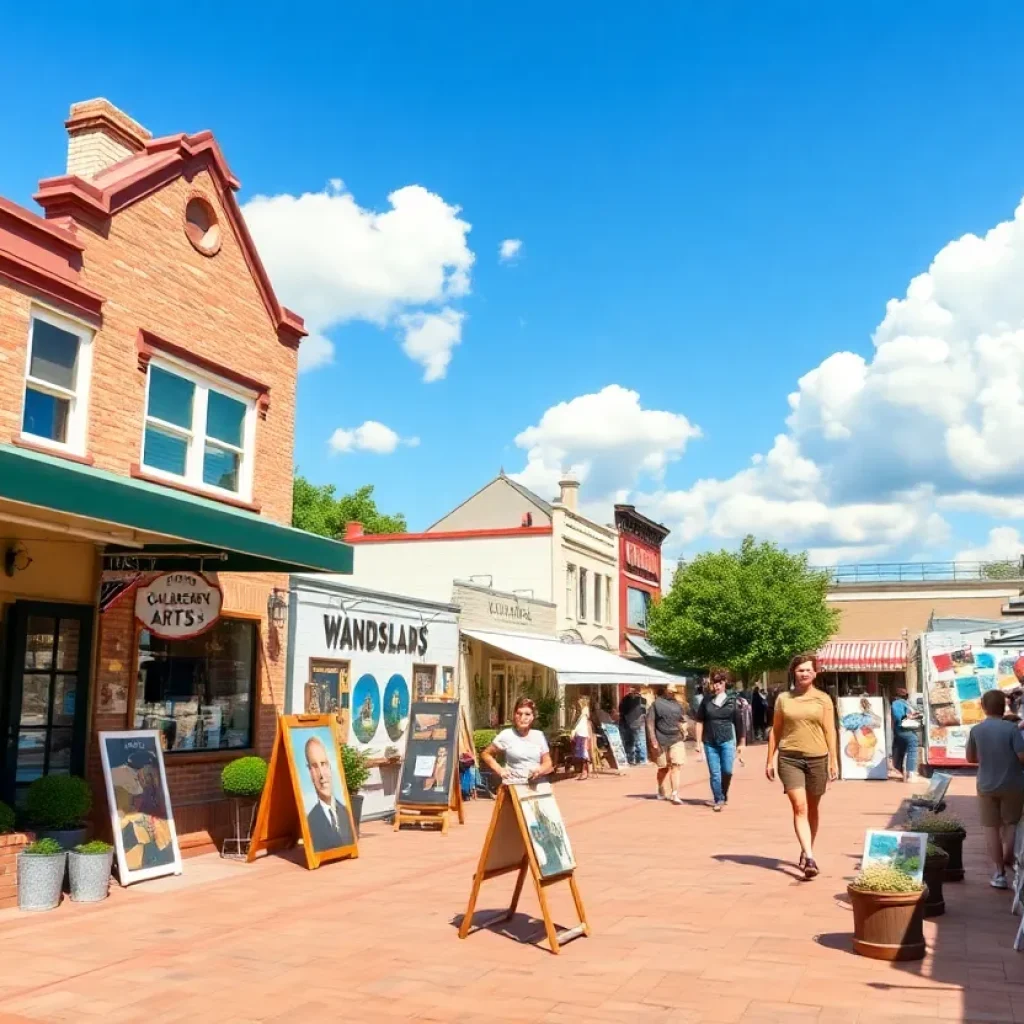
x=862, y=746
x=431, y=754
x=957, y=671
x=904, y=851
x=546, y=829
x=140, y=805
x=615, y=744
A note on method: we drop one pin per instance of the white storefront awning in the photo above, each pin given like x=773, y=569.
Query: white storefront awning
x=574, y=662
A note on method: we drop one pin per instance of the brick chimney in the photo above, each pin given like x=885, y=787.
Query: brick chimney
x=569, y=493
x=99, y=136
x=353, y=529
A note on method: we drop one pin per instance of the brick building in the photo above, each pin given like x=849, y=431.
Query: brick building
x=147, y=407
x=640, y=541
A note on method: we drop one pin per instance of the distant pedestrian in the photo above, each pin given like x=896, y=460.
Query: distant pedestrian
x=905, y=741
x=804, y=735
x=665, y=741
x=632, y=722
x=582, y=739
x=759, y=704
x=996, y=746
x=720, y=730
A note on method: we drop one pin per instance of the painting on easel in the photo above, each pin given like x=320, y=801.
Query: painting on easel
x=547, y=831
x=429, y=783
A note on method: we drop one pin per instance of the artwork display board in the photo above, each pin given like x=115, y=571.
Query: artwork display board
x=904, y=851
x=305, y=796
x=956, y=670
x=140, y=805
x=327, y=692
x=862, y=746
x=616, y=748
x=428, y=787
x=527, y=835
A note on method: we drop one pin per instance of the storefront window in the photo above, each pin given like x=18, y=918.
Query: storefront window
x=200, y=693
x=637, y=603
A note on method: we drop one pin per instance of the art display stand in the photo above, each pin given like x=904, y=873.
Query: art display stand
x=508, y=848
x=614, y=754
x=281, y=821
x=439, y=815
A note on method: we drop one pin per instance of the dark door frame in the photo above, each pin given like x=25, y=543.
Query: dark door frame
x=13, y=670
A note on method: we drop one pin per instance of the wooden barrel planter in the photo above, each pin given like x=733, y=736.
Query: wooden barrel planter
x=953, y=844
x=934, y=875
x=888, y=925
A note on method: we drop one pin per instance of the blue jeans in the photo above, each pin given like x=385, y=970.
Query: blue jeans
x=636, y=743
x=720, y=758
x=904, y=750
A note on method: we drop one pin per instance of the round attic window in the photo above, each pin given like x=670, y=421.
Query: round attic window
x=201, y=226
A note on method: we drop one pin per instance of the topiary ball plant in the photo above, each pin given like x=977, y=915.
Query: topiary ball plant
x=483, y=738
x=935, y=824
x=58, y=802
x=883, y=879
x=244, y=778
x=6, y=818
x=357, y=768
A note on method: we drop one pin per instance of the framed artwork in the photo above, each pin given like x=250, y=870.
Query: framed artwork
x=424, y=681
x=327, y=692
x=431, y=755
x=904, y=851
x=448, y=681
x=548, y=834
x=396, y=707
x=140, y=805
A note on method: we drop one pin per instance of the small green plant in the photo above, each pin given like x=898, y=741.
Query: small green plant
x=244, y=778
x=43, y=848
x=483, y=738
x=391, y=753
x=96, y=846
x=357, y=768
x=58, y=802
x=883, y=879
x=935, y=824
x=934, y=853
x=6, y=818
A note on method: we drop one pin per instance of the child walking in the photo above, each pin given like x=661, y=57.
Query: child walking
x=582, y=734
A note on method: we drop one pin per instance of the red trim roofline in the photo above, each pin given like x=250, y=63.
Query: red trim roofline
x=397, y=538
x=162, y=161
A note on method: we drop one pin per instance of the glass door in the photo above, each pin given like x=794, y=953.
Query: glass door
x=44, y=710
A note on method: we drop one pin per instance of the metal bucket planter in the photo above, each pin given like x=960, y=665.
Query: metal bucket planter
x=40, y=880
x=357, y=809
x=90, y=875
x=888, y=925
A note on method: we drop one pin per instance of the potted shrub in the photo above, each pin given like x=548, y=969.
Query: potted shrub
x=357, y=771
x=948, y=832
x=56, y=807
x=6, y=819
x=888, y=913
x=242, y=780
x=89, y=867
x=482, y=739
x=41, y=875
x=935, y=863
x=392, y=754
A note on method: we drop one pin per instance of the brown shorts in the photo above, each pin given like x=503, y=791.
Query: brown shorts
x=674, y=756
x=1004, y=807
x=799, y=772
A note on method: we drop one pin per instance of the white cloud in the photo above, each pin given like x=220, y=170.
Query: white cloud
x=1004, y=543
x=996, y=506
x=334, y=261
x=510, y=249
x=607, y=439
x=430, y=338
x=371, y=436
x=315, y=350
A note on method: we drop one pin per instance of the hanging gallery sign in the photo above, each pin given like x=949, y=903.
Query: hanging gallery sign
x=178, y=605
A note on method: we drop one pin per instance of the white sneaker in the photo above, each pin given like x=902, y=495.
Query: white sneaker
x=999, y=881
x=660, y=797
x=675, y=799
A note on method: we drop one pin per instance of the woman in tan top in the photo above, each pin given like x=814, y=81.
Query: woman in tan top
x=804, y=734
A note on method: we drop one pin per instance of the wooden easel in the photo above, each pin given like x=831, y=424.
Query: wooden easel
x=507, y=848
x=432, y=814
x=281, y=822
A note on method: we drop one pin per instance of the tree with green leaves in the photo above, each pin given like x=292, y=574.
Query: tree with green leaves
x=748, y=611
x=317, y=509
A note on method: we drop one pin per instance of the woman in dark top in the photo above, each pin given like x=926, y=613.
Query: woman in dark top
x=720, y=729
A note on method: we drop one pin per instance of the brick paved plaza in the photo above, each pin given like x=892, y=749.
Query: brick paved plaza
x=695, y=916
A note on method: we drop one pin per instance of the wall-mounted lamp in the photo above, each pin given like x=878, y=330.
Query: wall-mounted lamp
x=277, y=606
x=16, y=559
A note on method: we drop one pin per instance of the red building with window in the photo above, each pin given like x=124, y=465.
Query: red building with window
x=640, y=541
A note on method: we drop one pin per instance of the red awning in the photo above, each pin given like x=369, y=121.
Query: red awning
x=863, y=656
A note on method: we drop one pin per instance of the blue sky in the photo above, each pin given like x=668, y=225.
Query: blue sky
x=712, y=200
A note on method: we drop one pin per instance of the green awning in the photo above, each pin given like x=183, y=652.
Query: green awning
x=193, y=526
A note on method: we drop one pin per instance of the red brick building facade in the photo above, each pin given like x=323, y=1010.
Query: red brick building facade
x=640, y=574
x=147, y=408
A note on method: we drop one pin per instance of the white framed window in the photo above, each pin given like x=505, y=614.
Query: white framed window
x=598, y=596
x=570, y=590
x=583, y=594
x=608, y=600
x=199, y=429
x=57, y=373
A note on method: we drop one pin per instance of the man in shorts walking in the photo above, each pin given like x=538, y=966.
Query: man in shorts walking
x=665, y=741
x=996, y=746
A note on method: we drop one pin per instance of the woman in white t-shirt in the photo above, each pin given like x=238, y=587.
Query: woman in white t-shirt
x=527, y=756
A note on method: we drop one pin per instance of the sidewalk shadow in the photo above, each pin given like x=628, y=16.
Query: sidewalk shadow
x=689, y=801
x=841, y=941
x=768, y=863
x=521, y=928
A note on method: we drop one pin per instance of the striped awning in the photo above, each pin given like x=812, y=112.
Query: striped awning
x=863, y=656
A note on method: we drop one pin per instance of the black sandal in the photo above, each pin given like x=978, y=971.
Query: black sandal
x=802, y=861
x=810, y=869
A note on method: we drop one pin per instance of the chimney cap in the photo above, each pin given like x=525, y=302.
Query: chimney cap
x=353, y=529
x=88, y=115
